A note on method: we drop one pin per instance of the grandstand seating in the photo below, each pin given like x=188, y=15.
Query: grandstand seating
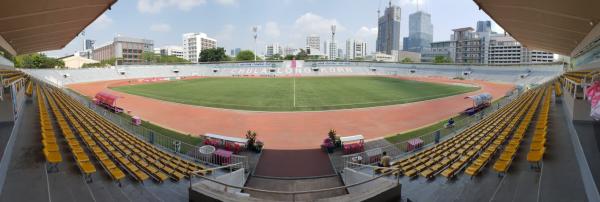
x=50, y=147
x=472, y=148
x=507, y=156
x=9, y=76
x=114, y=149
x=29, y=88
x=81, y=158
x=537, y=147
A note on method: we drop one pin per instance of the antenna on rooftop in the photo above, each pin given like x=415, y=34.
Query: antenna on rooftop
x=379, y=10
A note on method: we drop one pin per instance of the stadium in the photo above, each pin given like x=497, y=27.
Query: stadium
x=303, y=130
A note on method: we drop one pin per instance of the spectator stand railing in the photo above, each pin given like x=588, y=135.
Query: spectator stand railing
x=223, y=187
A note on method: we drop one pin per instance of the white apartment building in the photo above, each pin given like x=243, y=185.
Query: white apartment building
x=355, y=49
x=194, y=43
x=331, y=50
x=176, y=51
x=273, y=49
x=314, y=42
x=504, y=49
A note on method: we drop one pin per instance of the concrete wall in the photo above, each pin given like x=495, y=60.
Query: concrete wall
x=509, y=74
x=579, y=110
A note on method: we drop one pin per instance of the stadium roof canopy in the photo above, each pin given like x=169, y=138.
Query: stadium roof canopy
x=559, y=26
x=28, y=26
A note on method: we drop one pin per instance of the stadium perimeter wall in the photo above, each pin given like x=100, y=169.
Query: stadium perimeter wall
x=520, y=74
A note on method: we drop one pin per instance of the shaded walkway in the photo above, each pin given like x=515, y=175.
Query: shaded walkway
x=294, y=163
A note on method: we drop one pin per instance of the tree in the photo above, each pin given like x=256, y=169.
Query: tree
x=275, y=57
x=37, y=61
x=212, y=55
x=441, y=59
x=289, y=57
x=302, y=55
x=245, y=55
x=406, y=60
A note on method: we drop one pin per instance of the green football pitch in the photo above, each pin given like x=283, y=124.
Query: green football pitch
x=294, y=94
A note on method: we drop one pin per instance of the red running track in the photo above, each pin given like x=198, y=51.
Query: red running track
x=296, y=130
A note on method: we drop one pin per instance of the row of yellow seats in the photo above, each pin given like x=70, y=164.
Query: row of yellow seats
x=450, y=149
x=487, y=154
x=537, y=147
x=557, y=89
x=82, y=159
x=29, y=88
x=464, y=145
x=109, y=166
x=50, y=150
x=508, y=154
x=160, y=163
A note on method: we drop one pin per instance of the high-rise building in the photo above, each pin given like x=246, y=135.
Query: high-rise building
x=89, y=44
x=314, y=42
x=388, y=33
x=355, y=49
x=128, y=50
x=484, y=26
x=420, y=32
x=273, y=49
x=194, y=43
x=331, y=50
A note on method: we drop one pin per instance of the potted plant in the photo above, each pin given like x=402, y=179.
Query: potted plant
x=335, y=140
x=258, y=145
x=251, y=136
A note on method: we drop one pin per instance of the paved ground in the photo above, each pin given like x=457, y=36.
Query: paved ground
x=296, y=185
x=27, y=179
x=294, y=163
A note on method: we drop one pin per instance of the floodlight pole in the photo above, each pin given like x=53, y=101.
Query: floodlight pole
x=255, y=30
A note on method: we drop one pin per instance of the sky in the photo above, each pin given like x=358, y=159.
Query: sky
x=286, y=22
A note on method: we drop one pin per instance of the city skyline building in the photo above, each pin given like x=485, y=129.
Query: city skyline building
x=314, y=42
x=194, y=43
x=388, y=32
x=355, y=49
x=420, y=32
x=128, y=50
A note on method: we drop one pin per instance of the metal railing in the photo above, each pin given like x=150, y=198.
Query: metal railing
x=401, y=149
x=169, y=144
x=289, y=195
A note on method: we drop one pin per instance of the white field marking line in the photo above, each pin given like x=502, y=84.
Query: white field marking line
x=540, y=182
x=294, y=90
x=47, y=182
x=497, y=189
